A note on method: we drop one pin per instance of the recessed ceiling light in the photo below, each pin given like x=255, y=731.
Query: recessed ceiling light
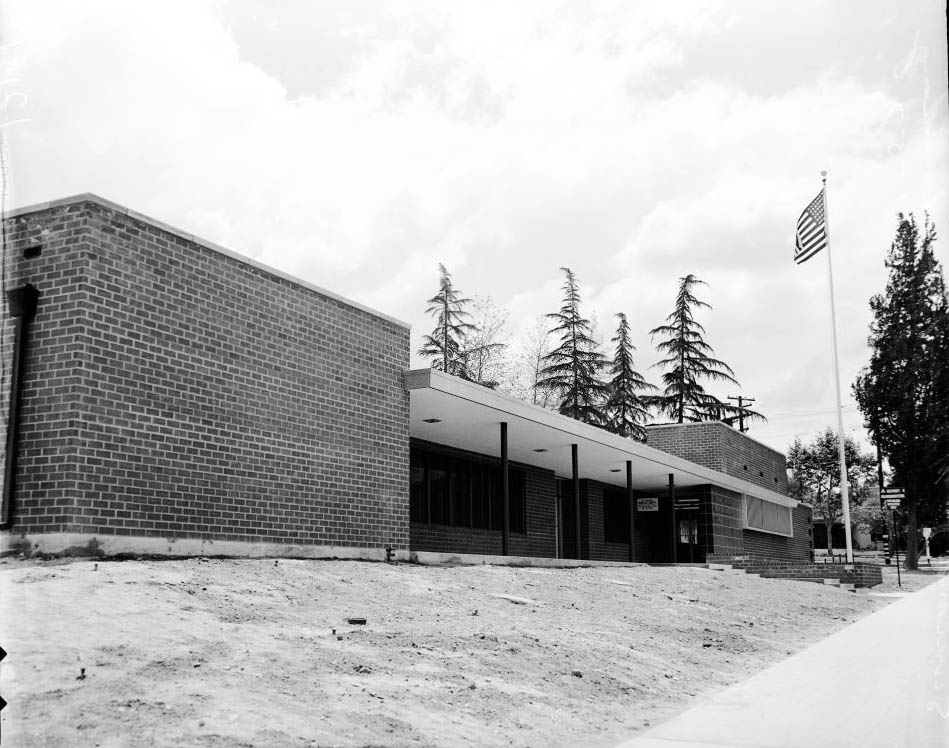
x=540, y=450
x=614, y=470
x=432, y=420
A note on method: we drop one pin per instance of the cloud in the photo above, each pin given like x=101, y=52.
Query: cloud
x=358, y=144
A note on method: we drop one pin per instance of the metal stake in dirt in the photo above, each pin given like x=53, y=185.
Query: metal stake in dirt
x=896, y=544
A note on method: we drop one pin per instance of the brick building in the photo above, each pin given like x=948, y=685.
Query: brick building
x=164, y=395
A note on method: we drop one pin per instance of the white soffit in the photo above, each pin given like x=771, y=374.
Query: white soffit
x=469, y=418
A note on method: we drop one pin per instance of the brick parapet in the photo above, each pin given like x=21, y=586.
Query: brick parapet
x=175, y=390
x=720, y=447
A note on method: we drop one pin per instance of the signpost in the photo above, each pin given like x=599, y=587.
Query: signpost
x=892, y=497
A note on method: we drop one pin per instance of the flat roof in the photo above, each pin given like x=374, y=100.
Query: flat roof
x=88, y=197
x=469, y=416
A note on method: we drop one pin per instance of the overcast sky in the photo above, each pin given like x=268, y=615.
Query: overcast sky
x=357, y=144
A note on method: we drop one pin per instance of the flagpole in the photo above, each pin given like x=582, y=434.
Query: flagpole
x=844, y=487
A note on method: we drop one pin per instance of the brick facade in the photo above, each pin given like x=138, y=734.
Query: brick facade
x=174, y=390
x=720, y=447
x=721, y=517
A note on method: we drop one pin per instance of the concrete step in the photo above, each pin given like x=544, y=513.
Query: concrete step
x=719, y=567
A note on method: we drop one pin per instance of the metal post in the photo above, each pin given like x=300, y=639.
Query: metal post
x=576, y=494
x=506, y=493
x=896, y=542
x=675, y=530
x=632, y=510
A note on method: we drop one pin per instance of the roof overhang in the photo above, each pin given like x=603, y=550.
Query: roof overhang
x=464, y=415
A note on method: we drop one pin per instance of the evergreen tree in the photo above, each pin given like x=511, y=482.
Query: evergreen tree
x=904, y=392
x=689, y=360
x=446, y=345
x=573, y=368
x=626, y=409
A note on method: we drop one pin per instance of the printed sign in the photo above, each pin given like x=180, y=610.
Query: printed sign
x=647, y=505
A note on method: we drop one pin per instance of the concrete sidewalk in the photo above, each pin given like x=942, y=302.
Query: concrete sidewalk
x=883, y=681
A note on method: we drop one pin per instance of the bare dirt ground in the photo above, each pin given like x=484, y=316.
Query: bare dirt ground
x=259, y=653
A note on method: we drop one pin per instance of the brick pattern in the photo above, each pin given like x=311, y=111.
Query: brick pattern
x=50, y=417
x=721, y=519
x=859, y=574
x=722, y=448
x=593, y=543
x=540, y=497
x=172, y=390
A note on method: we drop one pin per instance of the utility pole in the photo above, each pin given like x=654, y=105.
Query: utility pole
x=742, y=401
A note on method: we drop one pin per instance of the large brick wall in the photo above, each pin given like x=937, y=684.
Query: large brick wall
x=174, y=390
x=720, y=447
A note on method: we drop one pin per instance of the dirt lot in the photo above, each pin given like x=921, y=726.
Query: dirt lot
x=259, y=653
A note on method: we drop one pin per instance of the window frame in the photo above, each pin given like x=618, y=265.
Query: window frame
x=746, y=500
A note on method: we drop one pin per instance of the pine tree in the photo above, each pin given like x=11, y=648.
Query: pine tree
x=573, y=368
x=689, y=360
x=626, y=409
x=446, y=345
x=904, y=392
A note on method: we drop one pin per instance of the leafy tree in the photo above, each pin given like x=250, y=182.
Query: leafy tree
x=904, y=392
x=689, y=360
x=573, y=368
x=445, y=346
x=527, y=364
x=483, y=352
x=626, y=409
x=815, y=476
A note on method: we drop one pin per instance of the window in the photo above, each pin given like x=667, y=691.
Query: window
x=463, y=493
x=460, y=497
x=480, y=496
x=439, y=497
x=615, y=516
x=418, y=496
x=517, y=501
x=767, y=516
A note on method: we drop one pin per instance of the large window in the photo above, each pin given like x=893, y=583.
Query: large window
x=767, y=516
x=615, y=516
x=418, y=494
x=464, y=493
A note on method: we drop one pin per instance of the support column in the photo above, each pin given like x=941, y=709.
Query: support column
x=22, y=304
x=632, y=510
x=506, y=493
x=675, y=529
x=576, y=494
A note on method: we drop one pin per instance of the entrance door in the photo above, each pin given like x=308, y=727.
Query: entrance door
x=687, y=537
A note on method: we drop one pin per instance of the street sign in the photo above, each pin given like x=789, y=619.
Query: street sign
x=892, y=503
x=893, y=493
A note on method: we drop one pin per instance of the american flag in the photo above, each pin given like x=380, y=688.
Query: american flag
x=811, y=230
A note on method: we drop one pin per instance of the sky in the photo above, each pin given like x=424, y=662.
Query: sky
x=359, y=144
